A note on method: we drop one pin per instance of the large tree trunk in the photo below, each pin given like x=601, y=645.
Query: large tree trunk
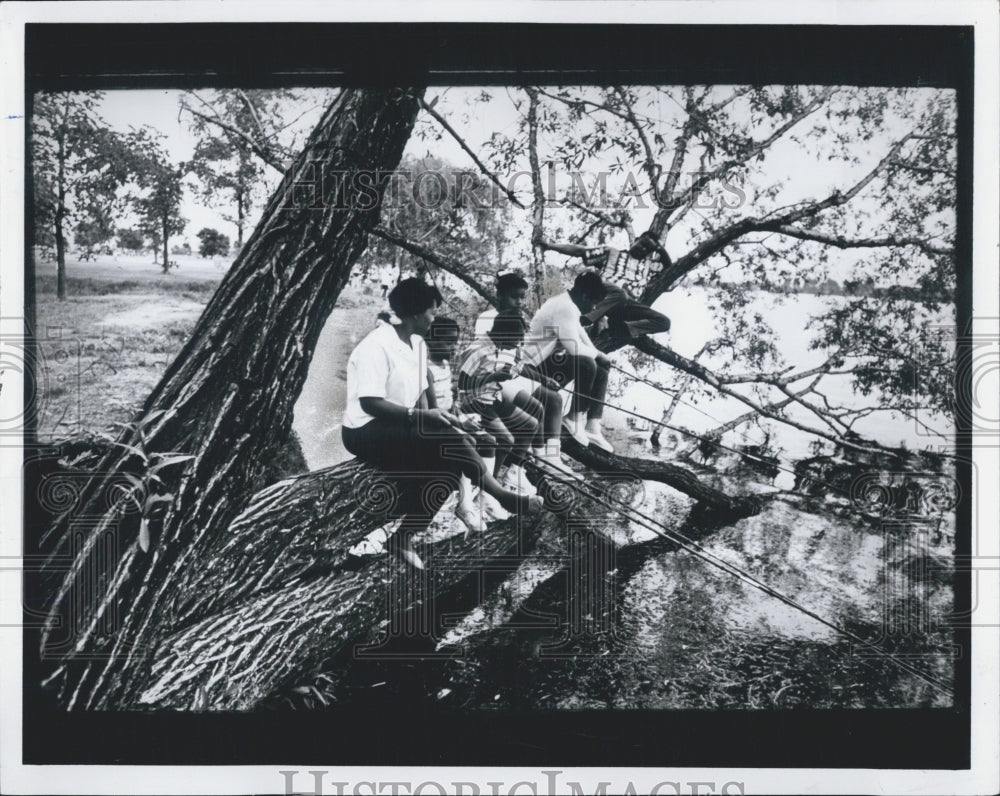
x=226, y=401
x=274, y=598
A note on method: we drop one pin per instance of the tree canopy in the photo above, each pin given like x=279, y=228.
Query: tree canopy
x=78, y=164
x=732, y=189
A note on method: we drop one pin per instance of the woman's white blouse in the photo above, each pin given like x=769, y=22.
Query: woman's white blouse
x=383, y=366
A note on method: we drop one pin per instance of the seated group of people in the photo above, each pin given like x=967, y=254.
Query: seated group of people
x=405, y=416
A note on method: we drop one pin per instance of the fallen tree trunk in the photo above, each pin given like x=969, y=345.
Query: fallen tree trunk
x=712, y=500
x=276, y=599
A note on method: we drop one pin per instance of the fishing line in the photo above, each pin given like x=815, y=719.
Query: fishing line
x=699, y=551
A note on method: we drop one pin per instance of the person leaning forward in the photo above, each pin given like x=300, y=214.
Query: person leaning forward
x=561, y=349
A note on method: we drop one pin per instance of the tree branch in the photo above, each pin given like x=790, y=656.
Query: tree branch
x=650, y=165
x=266, y=154
x=922, y=169
x=669, y=474
x=671, y=357
x=538, y=246
x=773, y=222
x=755, y=149
x=428, y=107
x=601, y=217
x=862, y=243
x=453, y=267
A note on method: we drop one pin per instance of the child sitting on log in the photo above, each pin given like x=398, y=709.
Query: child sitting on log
x=442, y=341
x=522, y=397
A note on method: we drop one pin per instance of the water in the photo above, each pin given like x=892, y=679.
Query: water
x=693, y=326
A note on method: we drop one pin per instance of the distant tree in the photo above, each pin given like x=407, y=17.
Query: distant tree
x=227, y=172
x=213, y=243
x=160, y=189
x=131, y=240
x=183, y=248
x=92, y=233
x=77, y=166
x=234, y=127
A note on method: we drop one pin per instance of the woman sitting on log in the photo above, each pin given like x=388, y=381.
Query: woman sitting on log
x=387, y=422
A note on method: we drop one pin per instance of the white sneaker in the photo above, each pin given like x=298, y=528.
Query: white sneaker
x=575, y=430
x=597, y=438
x=517, y=481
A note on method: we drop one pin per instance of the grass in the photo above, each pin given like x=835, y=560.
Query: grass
x=103, y=348
x=89, y=286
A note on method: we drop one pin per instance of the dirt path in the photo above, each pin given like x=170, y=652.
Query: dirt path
x=320, y=407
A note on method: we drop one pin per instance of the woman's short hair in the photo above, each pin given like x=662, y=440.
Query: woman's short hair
x=510, y=281
x=413, y=296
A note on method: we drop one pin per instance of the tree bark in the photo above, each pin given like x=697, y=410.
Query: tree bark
x=60, y=219
x=166, y=250
x=226, y=401
x=274, y=599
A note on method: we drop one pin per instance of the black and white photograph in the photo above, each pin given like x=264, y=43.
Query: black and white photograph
x=485, y=394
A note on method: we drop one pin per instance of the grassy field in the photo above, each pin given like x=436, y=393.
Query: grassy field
x=104, y=347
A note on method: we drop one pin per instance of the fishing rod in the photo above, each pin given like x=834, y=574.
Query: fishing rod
x=650, y=523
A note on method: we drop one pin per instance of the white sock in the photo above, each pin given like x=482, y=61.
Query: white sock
x=491, y=463
x=538, y=453
x=553, y=448
x=594, y=425
x=465, y=491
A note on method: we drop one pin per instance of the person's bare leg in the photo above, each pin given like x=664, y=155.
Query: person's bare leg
x=596, y=411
